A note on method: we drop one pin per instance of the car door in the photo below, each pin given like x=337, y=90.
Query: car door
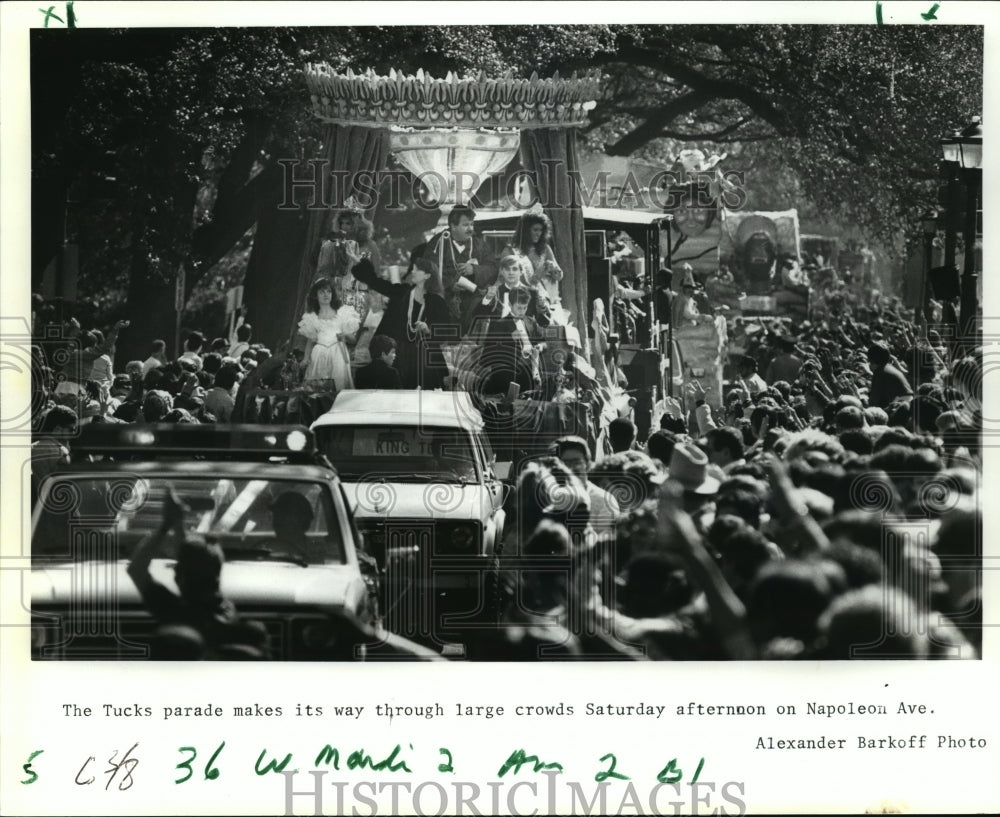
x=495, y=492
x=367, y=563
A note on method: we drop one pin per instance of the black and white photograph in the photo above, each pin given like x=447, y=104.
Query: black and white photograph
x=503, y=341
x=341, y=330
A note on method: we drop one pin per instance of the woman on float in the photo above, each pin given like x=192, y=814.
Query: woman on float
x=326, y=326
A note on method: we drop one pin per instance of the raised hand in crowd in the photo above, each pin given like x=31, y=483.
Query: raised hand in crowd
x=791, y=509
x=678, y=536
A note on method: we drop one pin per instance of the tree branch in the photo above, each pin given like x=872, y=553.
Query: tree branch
x=710, y=137
x=240, y=198
x=708, y=88
x=655, y=123
x=745, y=139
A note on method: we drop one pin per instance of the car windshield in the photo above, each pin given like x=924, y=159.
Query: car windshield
x=105, y=516
x=400, y=453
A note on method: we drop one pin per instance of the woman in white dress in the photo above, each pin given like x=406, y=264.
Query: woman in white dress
x=326, y=325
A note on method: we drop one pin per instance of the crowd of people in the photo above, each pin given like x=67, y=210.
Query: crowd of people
x=829, y=508
x=362, y=323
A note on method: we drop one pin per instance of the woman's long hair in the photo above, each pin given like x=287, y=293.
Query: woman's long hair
x=362, y=230
x=312, y=300
x=522, y=235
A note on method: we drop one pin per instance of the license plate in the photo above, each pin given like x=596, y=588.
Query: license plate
x=759, y=303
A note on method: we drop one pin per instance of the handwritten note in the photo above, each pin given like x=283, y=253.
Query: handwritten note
x=927, y=16
x=121, y=769
x=69, y=22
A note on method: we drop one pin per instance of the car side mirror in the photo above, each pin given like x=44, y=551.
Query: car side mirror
x=367, y=563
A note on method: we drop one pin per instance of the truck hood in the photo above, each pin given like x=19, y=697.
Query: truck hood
x=248, y=585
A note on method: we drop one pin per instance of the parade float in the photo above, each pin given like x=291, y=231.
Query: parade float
x=445, y=132
x=754, y=246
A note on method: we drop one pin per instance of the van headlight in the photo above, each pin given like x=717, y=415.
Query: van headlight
x=463, y=537
x=317, y=635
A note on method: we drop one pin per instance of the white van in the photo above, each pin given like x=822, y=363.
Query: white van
x=420, y=476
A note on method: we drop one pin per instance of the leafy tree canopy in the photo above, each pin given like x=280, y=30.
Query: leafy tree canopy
x=188, y=122
x=855, y=111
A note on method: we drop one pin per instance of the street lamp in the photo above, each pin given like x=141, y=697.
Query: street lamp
x=949, y=147
x=969, y=144
x=950, y=171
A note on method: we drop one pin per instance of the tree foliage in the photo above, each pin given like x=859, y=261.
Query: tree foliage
x=189, y=123
x=855, y=111
x=168, y=138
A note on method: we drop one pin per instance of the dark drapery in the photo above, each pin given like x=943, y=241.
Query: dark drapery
x=549, y=155
x=351, y=149
x=269, y=286
x=283, y=262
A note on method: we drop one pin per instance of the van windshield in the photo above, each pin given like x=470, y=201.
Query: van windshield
x=400, y=453
x=249, y=518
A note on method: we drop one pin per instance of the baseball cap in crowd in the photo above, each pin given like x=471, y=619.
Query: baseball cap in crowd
x=949, y=421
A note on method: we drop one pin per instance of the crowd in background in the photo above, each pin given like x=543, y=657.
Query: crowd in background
x=829, y=509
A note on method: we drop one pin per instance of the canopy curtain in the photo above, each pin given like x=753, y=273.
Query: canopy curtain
x=550, y=155
x=269, y=285
x=347, y=148
x=286, y=245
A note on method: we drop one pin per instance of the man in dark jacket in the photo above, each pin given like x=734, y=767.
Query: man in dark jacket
x=496, y=298
x=888, y=382
x=463, y=262
x=511, y=346
x=379, y=374
x=785, y=365
x=416, y=318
